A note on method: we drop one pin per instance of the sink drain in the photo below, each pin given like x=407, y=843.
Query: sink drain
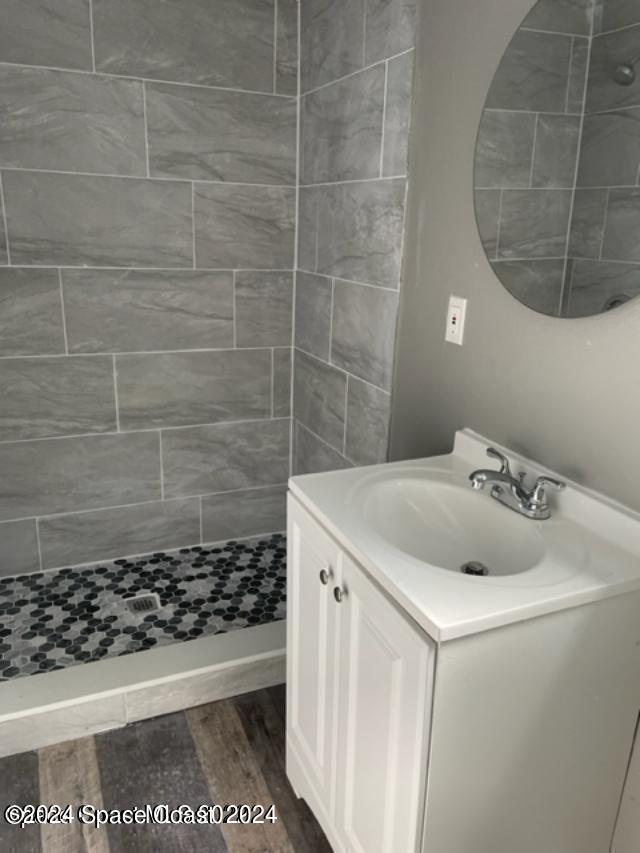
x=474, y=568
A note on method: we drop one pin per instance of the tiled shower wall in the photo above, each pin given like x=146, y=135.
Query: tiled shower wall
x=356, y=75
x=148, y=171
x=605, y=249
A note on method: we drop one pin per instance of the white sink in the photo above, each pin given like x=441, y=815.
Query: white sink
x=413, y=525
x=441, y=521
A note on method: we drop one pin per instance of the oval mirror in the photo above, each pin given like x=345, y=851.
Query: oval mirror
x=557, y=161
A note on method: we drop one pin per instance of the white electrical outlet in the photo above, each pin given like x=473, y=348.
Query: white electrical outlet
x=455, y=320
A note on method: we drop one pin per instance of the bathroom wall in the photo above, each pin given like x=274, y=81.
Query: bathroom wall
x=527, y=151
x=356, y=77
x=605, y=245
x=565, y=392
x=148, y=171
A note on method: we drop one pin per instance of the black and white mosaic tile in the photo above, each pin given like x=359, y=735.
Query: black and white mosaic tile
x=53, y=620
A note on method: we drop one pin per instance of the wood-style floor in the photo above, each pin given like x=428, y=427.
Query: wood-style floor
x=230, y=751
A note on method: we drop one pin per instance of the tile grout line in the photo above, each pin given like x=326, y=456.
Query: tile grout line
x=115, y=392
x=275, y=45
x=194, y=351
x=376, y=179
x=91, y=36
x=343, y=370
x=162, y=492
x=234, y=312
x=346, y=410
x=364, y=32
x=569, y=76
x=499, y=226
x=533, y=151
x=359, y=71
x=333, y=296
x=190, y=497
x=201, y=522
x=165, y=179
x=63, y=314
x=322, y=440
x=146, y=127
x=354, y=281
x=3, y=208
x=152, y=80
x=384, y=116
x=604, y=228
x=296, y=237
x=193, y=224
x=38, y=543
x=271, y=415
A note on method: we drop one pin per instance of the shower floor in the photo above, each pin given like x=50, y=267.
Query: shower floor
x=57, y=619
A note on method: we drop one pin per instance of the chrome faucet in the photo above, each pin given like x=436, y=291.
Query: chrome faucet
x=512, y=492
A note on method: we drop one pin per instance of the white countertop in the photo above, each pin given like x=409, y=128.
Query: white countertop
x=447, y=604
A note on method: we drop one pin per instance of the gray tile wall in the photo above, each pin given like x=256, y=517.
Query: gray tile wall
x=356, y=83
x=147, y=216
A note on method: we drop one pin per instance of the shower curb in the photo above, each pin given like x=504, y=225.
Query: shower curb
x=82, y=700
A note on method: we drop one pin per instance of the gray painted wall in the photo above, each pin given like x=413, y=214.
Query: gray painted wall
x=565, y=392
x=356, y=75
x=147, y=169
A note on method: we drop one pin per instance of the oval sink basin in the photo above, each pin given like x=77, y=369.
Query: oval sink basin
x=446, y=524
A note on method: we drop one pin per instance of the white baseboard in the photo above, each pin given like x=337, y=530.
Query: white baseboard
x=39, y=710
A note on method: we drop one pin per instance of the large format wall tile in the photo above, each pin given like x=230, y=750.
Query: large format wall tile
x=610, y=149
x=313, y=314
x=332, y=40
x=587, y=223
x=319, y=397
x=63, y=474
x=147, y=310
x=18, y=548
x=397, y=116
x=263, y=309
x=221, y=136
x=390, y=28
x=282, y=382
x=244, y=227
x=364, y=327
x=532, y=74
x=212, y=42
x=287, y=47
x=248, y=512
x=225, y=457
x=178, y=389
x=46, y=32
x=84, y=537
x=622, y=225
x=556, y=151
x=30, y=312
x=504, y=149
x=594, y=283
x=368, y=413
x=561, y=16
x=71, y=122
x=56, y=396
x=360, y=231
x=607, y=52
x=536, y=283
x=342, y=129
x=619, y=13
x=312, y=456
x=76, y=220
x=534, y=223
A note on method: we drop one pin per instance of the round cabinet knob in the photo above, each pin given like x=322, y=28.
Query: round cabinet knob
x=325, y=576
x=339, y=594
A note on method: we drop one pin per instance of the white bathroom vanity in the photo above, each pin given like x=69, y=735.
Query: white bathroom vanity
x=430, y=710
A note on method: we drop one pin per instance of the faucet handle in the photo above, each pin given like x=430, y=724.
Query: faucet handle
x=538, y=496
x=502, y=459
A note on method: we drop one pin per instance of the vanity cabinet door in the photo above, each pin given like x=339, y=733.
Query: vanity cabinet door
x=386, y=675
x=312, y=636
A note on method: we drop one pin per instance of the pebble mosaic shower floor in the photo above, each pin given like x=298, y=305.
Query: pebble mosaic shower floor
x=52, y=620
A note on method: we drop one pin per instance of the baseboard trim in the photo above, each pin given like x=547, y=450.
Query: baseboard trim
x=36, y=711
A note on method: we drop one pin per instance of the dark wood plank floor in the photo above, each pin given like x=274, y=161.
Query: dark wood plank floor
x=226, y=752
